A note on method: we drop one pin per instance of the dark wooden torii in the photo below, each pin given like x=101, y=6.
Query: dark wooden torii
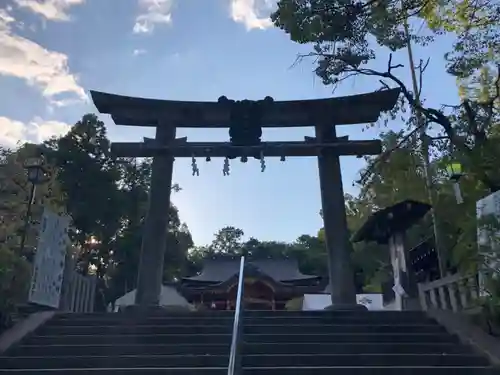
x=323, y=114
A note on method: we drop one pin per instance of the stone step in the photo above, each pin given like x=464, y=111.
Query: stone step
x=125, y=320
x=252, y=329
x=352, y=337
x=249, y=313
x=222, y=349
x=135, y=330
x=276, y=343
x=252, y=338
x=174, y=361
x=476, y=370
x=343, y=328
x=113, y=349
x=117, y=320
x=129, y=339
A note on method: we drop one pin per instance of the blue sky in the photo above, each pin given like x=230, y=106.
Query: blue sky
x=53, y=51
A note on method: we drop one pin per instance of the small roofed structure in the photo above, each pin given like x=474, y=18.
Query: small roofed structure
x=269, y=283
x=388, y=226
x=397, y=218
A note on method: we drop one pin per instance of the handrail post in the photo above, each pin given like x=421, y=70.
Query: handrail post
x=234, y=367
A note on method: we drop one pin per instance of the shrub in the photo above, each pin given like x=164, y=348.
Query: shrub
x=14, y=283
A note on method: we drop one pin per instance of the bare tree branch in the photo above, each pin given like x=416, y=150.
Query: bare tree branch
x=431, y=114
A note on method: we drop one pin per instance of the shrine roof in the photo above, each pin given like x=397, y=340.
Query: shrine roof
x=221, y=268
x=381, y=225
x=345, y=110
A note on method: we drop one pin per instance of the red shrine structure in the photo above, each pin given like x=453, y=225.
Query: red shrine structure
x=269, y=283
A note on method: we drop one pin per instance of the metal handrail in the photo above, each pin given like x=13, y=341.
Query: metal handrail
x=234, y=367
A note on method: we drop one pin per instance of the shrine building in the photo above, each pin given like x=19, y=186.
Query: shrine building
x=269, y=283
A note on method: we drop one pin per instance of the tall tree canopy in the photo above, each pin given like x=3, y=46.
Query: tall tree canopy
x=88, y=175
x=348, y=35
x=105, y=197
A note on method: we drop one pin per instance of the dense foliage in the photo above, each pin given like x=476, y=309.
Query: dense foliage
x=348, y=36
x=107, y=200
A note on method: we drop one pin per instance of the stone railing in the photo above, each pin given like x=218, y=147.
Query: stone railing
x=454, y=292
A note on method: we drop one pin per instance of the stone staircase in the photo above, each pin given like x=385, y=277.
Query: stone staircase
x=275, y=343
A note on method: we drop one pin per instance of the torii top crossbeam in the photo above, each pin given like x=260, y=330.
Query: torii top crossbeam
x=346, y=110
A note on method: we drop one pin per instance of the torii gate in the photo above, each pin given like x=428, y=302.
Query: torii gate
x=245, y=119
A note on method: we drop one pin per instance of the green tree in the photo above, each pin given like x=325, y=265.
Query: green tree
x=15, y=268
x=475, y=25
x=134, y=191
x=14, y=196
x=310, y=252
x=341, y=32
x=397, y=178
x=258, y=249
x=14, y=283
x=89, y=175
x=106, y=197
x=228, y=240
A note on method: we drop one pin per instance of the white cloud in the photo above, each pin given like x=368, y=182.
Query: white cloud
x=5, y=20
x=254, y=14
x=138, y=52
x=39, y=67
x=40, y=130
x=152, y=13
x=54, y=10
x=14, y=132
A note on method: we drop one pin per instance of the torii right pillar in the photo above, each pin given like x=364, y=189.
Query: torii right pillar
x=342, y=111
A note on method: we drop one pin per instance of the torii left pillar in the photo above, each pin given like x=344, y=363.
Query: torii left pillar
x=154, y=234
